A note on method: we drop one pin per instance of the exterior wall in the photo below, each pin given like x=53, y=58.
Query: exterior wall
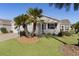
x=30, y=27
x=65, y=27
x=0, y=27
x=38, y=29
x=16, y=30
x=13, y=27
x=57, y=29
x=7, y=27
x=50, y=20
x=52, y=31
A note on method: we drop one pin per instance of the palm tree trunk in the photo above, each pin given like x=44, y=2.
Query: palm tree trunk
x=34, y=28
x=25, y=30
x=19, y=31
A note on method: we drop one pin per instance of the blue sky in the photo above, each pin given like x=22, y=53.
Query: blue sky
x=9, y=11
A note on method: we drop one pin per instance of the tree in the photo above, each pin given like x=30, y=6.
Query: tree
x=66, y=5
x=34, y=14
x=76, y=26
x=22, y=20
x=17, y=21
x=25, y=21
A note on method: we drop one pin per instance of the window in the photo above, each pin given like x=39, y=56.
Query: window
x=52, y=26
x=66, y=27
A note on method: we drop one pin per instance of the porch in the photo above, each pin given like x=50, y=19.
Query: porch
x=45, y=28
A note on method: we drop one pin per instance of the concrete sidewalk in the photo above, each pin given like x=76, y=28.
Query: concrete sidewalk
x=8, y=36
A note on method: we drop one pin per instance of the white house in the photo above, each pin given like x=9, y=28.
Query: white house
x=49, y=25
x=65, y=25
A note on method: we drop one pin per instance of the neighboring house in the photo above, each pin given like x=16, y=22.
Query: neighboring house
x=47, y=25
x=65, y=25
x=6, y=24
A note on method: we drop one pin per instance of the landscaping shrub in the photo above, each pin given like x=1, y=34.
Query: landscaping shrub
x=60, y=34
x=78, y=34
x=4, y=30
x=22, y=33
x=72, y=31
x=48, y=35
x=67, y=33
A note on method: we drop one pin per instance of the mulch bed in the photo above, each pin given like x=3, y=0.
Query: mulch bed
x=27, y=40
x=70, y=50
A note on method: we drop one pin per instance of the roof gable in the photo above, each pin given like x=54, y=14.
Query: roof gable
x=47, y=19
x=65, y=21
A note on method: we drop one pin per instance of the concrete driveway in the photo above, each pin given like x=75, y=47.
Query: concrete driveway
x=7, y=36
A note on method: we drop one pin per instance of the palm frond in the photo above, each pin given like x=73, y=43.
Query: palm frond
x=67, y=6
x=76, y=6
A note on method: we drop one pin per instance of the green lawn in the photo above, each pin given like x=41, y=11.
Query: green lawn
x=70, y=39
x=45, y=47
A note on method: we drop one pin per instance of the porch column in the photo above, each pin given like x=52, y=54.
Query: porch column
x=46, y=30
x=40, y=28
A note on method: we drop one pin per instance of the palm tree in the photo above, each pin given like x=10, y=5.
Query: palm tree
x=34, y=14
x=22, y=20
x=17, y=21
x=66, y=5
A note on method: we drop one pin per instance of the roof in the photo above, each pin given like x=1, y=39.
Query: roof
x=47, y=19
x=5, y=22
x=51, y=18
x=64, y=21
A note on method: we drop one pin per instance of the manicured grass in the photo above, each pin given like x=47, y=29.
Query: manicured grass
x=44, y=47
